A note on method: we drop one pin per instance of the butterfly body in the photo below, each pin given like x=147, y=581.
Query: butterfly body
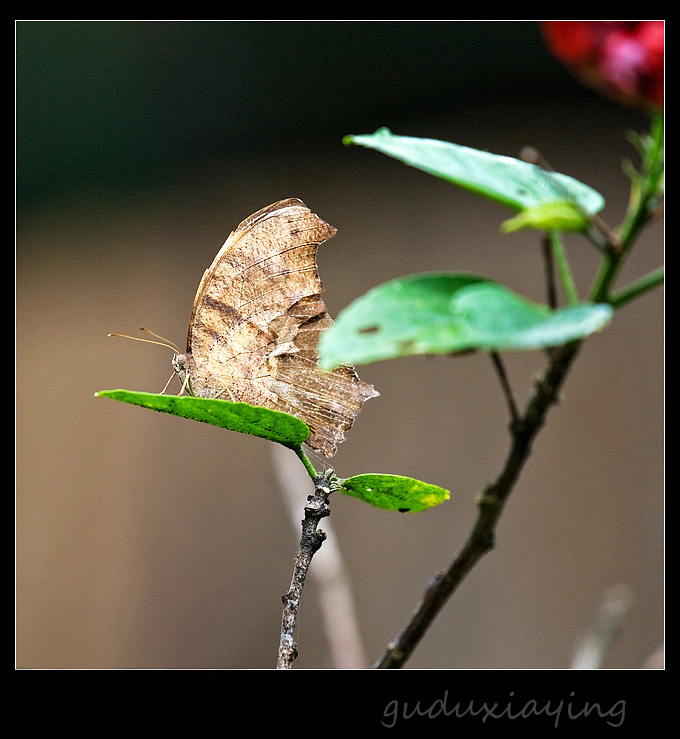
x=256, y=322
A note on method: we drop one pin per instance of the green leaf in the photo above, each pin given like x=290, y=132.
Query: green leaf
x=444, y=313
x=393, y=492
x=496, y=319
x=506, y=180
x=247, y=419
x=557, y=216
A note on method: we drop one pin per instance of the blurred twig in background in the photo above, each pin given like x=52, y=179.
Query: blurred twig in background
x=591, y=650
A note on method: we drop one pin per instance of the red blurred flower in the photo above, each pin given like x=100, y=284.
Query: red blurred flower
x=622, y=59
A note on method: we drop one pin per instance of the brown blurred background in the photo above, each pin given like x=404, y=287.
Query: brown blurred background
x=147, y=541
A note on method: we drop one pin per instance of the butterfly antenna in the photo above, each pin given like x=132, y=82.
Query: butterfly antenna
x=169, y=343
x=163, y=342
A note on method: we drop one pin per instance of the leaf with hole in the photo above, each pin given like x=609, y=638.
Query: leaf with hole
x=446, y=313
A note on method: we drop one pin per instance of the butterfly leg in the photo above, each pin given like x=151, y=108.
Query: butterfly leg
x=184, y=384
x=226, y=390
x=167, y=383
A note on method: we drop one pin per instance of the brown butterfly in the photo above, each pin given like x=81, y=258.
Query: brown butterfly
x=256, y=322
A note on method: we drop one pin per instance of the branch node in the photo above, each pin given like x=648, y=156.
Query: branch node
x=546, y=388
x=488, y=540
x=313, y=540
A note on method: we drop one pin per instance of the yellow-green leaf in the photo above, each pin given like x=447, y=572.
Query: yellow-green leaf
x=558, y=216
x=394, y=492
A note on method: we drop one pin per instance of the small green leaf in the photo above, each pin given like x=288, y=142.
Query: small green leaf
x=506, y=180
x=246, y=419
x=557, y=216
x=394, y=492
x=445, y=313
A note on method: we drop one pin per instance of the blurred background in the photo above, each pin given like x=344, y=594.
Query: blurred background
x=148, y=541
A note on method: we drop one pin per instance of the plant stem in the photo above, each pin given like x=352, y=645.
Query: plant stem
x=311, y=539
x=490, y=506
x=645, y=195
x=549, y=262
x=637, y=288
x=329, y=573
x=305, y=461
x=563, y=268
x=613, y=261
x=499, y=366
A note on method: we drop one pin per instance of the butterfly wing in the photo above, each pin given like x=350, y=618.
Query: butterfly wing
x=328, y=402
x=256, y=321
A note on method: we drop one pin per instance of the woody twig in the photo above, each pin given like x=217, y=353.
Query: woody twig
x=312, y=538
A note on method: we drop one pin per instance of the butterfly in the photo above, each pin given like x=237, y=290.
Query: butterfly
x=256, y=321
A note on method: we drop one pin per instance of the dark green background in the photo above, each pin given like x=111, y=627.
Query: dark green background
x=110, y=101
